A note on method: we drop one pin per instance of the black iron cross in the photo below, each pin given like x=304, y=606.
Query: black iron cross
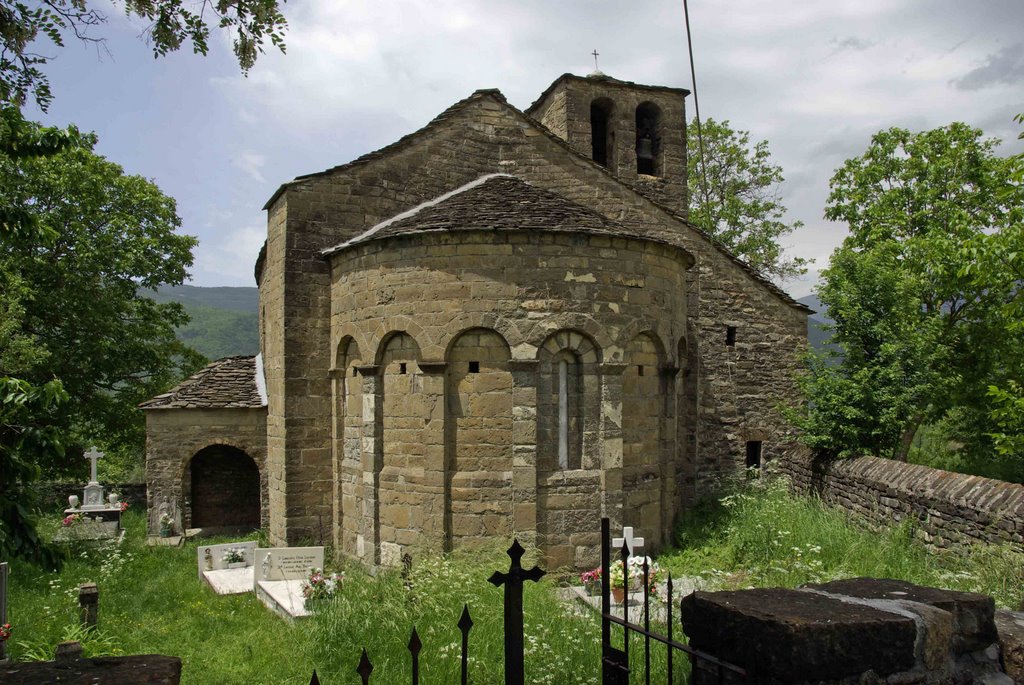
x=513, y=582
x=595, y=53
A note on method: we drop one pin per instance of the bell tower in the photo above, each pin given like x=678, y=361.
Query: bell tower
x=637, y=132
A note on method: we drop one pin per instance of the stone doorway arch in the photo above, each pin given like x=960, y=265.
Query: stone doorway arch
x=223, y=483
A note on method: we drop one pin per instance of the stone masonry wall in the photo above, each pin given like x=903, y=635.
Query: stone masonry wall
x=174, y=436
x=566, y=112
x=952, y=509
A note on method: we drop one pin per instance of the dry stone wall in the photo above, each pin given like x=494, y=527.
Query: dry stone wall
x=951, y=509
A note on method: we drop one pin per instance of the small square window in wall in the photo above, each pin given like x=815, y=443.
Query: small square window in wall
x=754, y=454
x=730, y=336
x=640, y=369
x=474, y=367
x=401, y=368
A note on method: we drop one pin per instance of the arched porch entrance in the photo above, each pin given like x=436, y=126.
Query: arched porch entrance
x=224, y=488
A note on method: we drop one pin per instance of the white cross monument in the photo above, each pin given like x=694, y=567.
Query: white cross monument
x=632, y=543
x=93, y=491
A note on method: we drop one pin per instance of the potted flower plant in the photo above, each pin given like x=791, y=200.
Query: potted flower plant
x=635, y=572
x=234, y=557
x=71, y=520
x=320, y=586
x=592, y=580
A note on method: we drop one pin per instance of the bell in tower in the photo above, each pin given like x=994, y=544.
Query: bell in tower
x=646, y=139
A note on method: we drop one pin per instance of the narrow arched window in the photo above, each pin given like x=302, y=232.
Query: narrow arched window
x=648, y=139
x=570, y=411
x=563, y=414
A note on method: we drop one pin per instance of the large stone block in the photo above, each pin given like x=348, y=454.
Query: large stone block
x=1010, y=625
x=973, y=614
x=796, y=636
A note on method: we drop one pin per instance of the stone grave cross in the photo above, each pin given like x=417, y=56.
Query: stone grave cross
x=93, y=454
x=632, y=543
x=93, y=491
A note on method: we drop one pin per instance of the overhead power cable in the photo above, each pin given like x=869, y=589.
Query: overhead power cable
x=696, y=104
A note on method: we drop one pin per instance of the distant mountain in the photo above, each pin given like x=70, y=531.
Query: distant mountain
x=233, y=299
x=223, y=320
x=817, y=336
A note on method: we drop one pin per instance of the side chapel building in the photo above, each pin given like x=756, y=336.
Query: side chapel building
x=501, y=324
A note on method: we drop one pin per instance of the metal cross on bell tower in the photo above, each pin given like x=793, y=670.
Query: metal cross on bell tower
x=595, y=53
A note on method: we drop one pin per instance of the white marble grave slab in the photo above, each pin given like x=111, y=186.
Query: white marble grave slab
x=283, y=597
x=279, y=574
x=230, y=581
x=287, y=563
x=224, y=578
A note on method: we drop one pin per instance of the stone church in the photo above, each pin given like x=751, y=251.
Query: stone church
x=501, y=324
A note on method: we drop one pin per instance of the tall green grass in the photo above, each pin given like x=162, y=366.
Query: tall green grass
x=151, y=601
x=757, y=534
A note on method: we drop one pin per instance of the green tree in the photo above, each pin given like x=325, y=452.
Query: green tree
x=172, y=24
x=102, y=237
x=734, y=197
x=78, y=240
x=919, y=290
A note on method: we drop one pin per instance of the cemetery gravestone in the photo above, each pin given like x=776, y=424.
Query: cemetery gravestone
x=279, y=575
x=98, y=518
x=93, y=491
x=219, y=568
x=632, y=543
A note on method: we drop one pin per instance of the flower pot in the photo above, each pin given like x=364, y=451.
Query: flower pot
x=618, y=594
x=165, y=532
x=236, y=564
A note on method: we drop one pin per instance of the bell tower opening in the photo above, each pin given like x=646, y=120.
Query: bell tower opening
x=648, y=139
x=602, y=138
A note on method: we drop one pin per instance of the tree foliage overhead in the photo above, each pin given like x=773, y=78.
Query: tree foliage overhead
x=78, y=346
x=740, y=206
x=103, y=237
x=923, y=291
x=172, y=24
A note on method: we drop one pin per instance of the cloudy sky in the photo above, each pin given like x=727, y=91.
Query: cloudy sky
x=814, y=77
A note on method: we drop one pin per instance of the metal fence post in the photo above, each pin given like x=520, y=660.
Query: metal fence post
x=88, y=604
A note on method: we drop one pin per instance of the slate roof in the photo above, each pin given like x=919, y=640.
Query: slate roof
x=496, y=202
x=229, y=383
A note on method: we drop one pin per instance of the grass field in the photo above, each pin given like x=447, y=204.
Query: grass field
x=152, y=602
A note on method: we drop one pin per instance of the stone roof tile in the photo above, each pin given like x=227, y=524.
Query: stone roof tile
x=227, y=383
x=497, y=202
